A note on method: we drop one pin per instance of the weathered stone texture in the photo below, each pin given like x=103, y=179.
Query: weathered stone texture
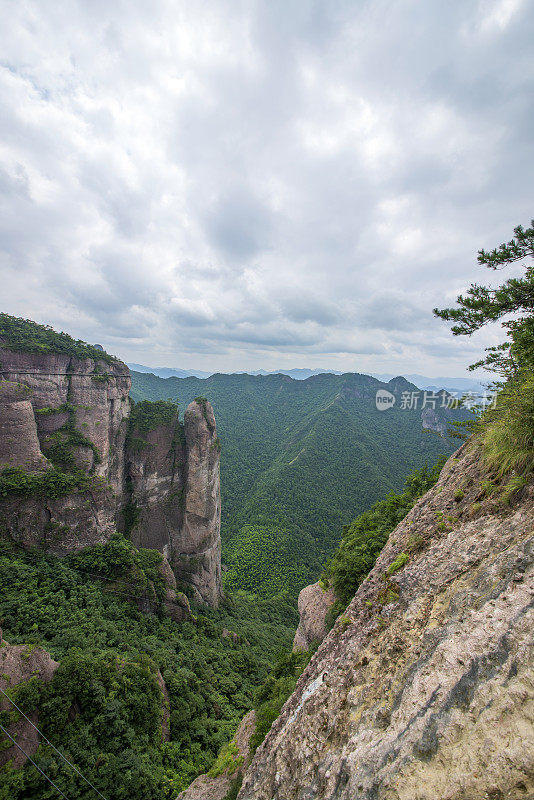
x=19, y=443
x=156, y=473
x=314, y=603
x=197, y=555
x=175, y=485
x=170, y=483
x=99, y=411
x=424, y=689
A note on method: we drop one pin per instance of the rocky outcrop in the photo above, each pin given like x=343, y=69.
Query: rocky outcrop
x=197, y=560
x=314, y=603
x=74, y=410
x=162, y=486
x=165, y=708
x=92, y=395
x=19, y=664
x=174, y=485
x=19, y=443
x=424, y=688
x=175, y=603
x=216, y=787
x=156, y=477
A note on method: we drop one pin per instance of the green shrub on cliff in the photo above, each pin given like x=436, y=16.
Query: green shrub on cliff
x=366, y=536
x=149, y=414
x=27, y=336
x=118, y=559
x=52, y=483
x=274, y=692
x=507, y=431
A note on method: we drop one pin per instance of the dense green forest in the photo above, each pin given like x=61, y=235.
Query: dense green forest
x=110, y=653
x=299, y=460
x=25, y=335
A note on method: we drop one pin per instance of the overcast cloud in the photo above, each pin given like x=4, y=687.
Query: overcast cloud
x=229, y=185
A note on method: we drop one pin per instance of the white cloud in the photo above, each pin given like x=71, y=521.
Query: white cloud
x=229, y=185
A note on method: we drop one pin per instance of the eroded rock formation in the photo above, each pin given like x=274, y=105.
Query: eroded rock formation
x=198, y=559
x=425, y=687
x=58, y=410
x=314, y=603
x=19, y=664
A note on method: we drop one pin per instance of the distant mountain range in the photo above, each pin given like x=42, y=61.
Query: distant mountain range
x=169, y=372
x=459, y=385
x=301, y=458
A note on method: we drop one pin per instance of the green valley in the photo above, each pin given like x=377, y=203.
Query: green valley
x=299, y=460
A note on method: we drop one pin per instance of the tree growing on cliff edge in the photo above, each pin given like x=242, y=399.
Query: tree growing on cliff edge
x=507, y=429
x=483, y=304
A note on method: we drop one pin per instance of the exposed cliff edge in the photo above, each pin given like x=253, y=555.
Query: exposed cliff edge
x=75, y=470
x=424, y=688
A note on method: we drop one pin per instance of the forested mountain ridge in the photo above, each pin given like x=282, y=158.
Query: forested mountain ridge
x=300, y=459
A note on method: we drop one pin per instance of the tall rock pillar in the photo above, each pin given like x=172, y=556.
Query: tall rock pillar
x=197, y=552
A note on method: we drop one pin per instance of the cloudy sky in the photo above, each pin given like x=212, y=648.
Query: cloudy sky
x=273, y=183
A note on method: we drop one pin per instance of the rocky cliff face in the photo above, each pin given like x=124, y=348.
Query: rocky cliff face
x=56, y=410
x=217, y=787
x=314, y=603
x=174, y=485
x=74, y=411
x=424, y=688
x=198, y=558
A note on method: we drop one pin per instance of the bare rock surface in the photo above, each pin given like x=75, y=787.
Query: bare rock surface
x=424, y=689
x=170, y=484
x=314, y=603
x=90, y=395
x=197, y=556
x=175, y=484
x=18, y=664
x=176, y=603
x=19, y=443
x=206, y=787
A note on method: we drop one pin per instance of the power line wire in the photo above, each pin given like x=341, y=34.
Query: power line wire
x=51, y=745
x=37, y=767
x=65, y=374
x=99, y=577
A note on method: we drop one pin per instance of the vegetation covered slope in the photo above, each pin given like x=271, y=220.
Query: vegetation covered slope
x=299, y=460
x=27, y=336
x=103, y=707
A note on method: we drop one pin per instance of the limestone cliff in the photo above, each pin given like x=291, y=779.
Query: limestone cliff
x=65, y=416
x=424, y=689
